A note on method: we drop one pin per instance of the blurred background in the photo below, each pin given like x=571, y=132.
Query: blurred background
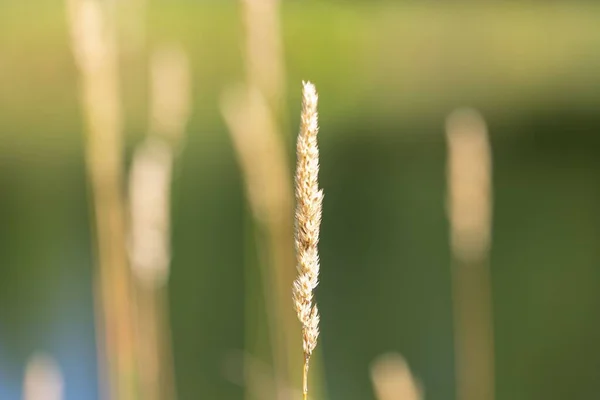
x=175, y=122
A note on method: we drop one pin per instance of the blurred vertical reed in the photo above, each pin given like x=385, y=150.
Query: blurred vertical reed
x=94, y=44
x=393, y=380
x=149, y=210
x=469, y=209
x=150, y=222
x=263, y=162
x=265, y=67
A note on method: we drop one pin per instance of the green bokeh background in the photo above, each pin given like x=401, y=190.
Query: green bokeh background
x=388, y=74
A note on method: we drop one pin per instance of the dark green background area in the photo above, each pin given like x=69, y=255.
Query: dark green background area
x=387, y=76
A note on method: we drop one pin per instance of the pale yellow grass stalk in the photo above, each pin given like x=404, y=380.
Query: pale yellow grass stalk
x=260, y=146
x=261, y=153
x=149, y=207
x=264, y=51
x=393, y=379
x=469, y=185
x=469, y=211
x=309, y=200
x=170, y=93
x=264, y=165
x=93, y=39
x=150, y=220
x=149, y=252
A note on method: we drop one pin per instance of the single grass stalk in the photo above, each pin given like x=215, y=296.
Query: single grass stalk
x=263, y=161
x=254, y=117
x=94, y=45
x=393, y=380
x=309, y=199
x=470, y=214
x=150, y=220
x=149, y=253
x=264, y=51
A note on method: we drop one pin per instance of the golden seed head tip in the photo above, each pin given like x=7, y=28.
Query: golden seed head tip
x=309, y=88
x=310, y=98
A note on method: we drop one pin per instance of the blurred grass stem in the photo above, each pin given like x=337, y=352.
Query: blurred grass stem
x=93, y=39
x=263, y=163
x=150, y=219
x=469, y=210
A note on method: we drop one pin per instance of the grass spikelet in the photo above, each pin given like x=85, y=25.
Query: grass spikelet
x=309, y=199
